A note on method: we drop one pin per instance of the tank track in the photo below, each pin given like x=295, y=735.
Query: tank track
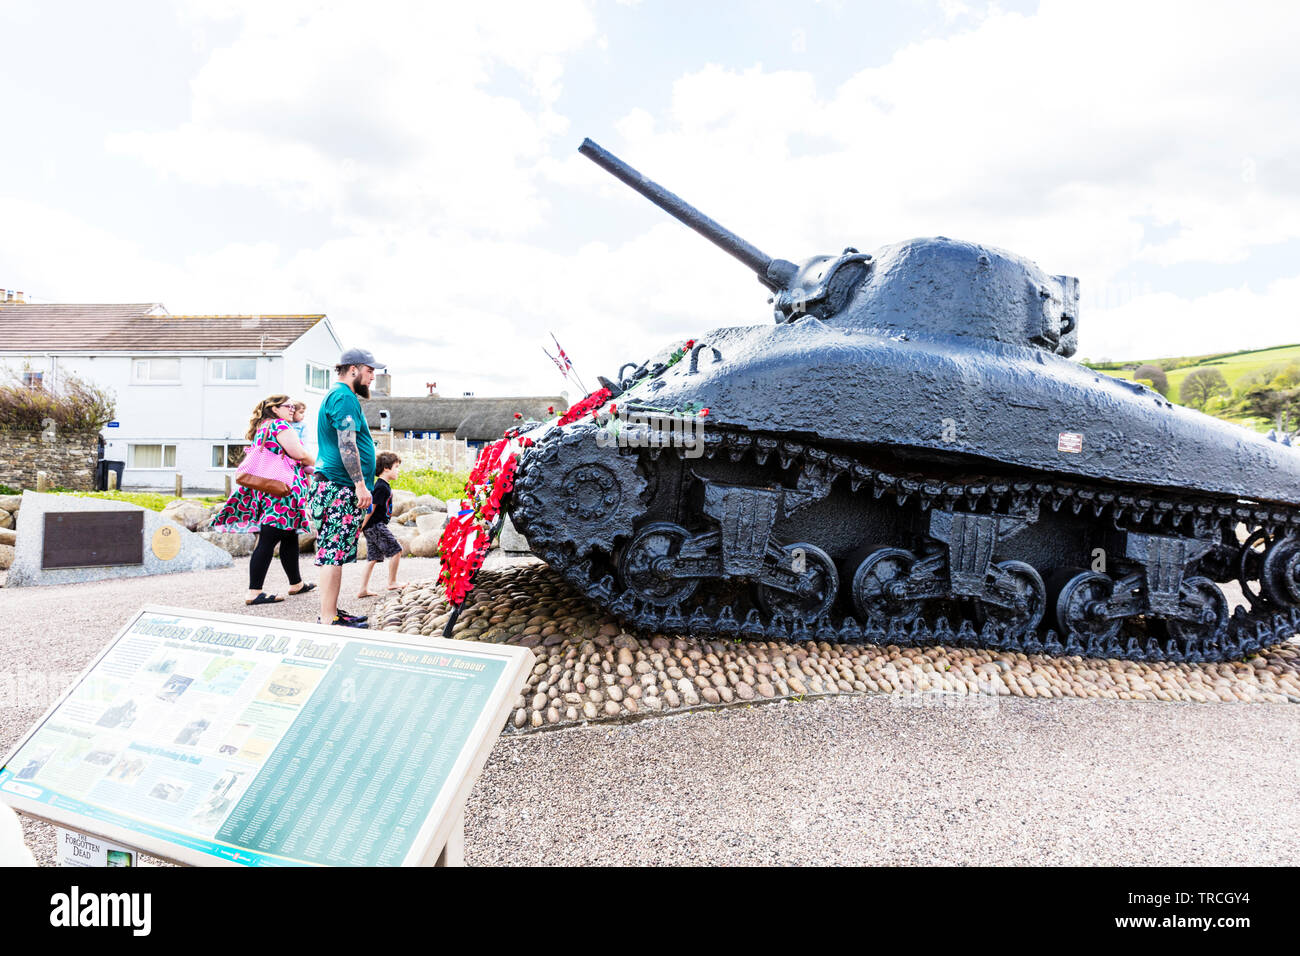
x=592, y=572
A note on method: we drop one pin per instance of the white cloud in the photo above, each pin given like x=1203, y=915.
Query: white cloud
x=1164, y=324
x=437, y=139
x=387, y=113
x=1056, y=136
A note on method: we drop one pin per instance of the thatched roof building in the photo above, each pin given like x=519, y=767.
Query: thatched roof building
x=475, y=420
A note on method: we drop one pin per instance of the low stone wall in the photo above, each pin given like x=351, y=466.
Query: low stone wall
x=8, y=528
x=68, y=459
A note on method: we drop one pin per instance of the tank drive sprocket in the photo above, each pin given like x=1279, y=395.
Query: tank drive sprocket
x=575, y=492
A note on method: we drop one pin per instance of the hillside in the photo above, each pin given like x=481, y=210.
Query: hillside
x=1262, y=385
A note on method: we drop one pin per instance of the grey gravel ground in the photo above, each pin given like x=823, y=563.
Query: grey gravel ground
x=866, y=780
x=892, y=781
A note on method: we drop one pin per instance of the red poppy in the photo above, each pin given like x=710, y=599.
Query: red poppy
x=585, y=407
x=703, y=412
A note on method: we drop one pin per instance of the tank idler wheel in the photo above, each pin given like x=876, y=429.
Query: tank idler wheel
x=647, y=563
x=1077, y=608
x=1215, y=613
x=1031, y=601
x=818, y=584
x=873, y=585
x=1250, y=564
x=1279, y=573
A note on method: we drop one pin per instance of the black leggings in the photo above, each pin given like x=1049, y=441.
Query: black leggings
x=260, y=563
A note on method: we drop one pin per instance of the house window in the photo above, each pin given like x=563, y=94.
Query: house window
x=151, y=456
x=228, y=455
x=156, y=371
x=232, y=370
x=33, y=379
x=318, y=377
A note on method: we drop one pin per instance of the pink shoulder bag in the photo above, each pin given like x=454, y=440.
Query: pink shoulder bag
x=266, y=471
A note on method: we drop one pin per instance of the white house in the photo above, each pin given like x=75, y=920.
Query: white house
x=186, y=385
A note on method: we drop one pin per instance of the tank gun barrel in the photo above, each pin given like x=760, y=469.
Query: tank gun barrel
x=776, y=274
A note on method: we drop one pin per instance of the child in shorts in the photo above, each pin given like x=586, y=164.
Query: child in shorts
x=381, y=544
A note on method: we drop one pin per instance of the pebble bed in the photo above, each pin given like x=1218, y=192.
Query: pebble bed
x=590, y=669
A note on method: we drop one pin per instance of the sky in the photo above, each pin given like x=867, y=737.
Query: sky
x=411, y=169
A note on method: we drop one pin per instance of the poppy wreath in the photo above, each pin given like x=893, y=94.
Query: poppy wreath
x=584, y=408
x=468, y=535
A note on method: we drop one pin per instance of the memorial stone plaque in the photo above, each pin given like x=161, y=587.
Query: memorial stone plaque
x=92, y=539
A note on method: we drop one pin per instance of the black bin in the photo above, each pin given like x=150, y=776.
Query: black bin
x=101, y=473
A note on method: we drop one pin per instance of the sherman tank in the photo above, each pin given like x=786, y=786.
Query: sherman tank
x=908, y=455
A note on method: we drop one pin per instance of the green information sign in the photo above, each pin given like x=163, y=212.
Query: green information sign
x=223, y=739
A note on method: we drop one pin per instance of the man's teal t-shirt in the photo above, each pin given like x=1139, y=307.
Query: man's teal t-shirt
x=341, y=411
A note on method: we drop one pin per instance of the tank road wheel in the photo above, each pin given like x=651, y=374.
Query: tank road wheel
x=1215, y=613
x=1250, y=563
x=647, y=563
x=818, y=584
x=1031, y=601
x=870, y=589
x=1077, y=595
x=1279, y=574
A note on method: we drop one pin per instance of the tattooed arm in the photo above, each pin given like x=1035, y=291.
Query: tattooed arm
x=351, y=457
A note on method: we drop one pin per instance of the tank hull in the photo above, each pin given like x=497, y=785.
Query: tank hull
x=998, y=406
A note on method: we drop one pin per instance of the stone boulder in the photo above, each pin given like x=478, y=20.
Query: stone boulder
x=307, y=542
x=6, y=556
x=511, y=540
x=8, y=536
x=188, y=514
x=410, y=514
x=425, y=545
x=427, y=501
x=10, y=503
x=431, y=523
x=404, y=534
x=402, y=500
x=238, y=545
x=6, y=519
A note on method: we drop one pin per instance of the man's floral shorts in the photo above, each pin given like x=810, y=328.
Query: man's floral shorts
x=334, y=511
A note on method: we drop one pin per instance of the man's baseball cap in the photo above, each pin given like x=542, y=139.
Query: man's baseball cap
x=359, y=357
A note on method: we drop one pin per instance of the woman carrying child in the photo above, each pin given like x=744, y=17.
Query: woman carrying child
x=276, y=521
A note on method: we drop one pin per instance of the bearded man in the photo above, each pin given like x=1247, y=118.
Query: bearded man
x=345, y=478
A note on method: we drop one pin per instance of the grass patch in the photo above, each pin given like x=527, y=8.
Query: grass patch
x=428, y=481
x=153, y=500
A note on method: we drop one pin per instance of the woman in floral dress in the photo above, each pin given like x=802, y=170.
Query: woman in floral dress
x=276, y=521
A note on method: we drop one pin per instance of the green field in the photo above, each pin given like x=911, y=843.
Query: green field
x=1233, y=365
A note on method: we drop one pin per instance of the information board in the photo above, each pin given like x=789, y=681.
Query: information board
x=212, y=738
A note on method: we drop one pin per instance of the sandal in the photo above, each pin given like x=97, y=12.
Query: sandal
x=304, y=589
x=264, y=598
